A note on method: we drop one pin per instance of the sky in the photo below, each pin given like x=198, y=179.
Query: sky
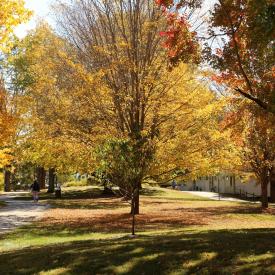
x=41, y=9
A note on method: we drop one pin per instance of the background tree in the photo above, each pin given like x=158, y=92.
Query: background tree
x=41, y=104
x=12, y=13
x=7, y=133
x=259, y=151
x=195, y=143
x=245, y=59
x=7, y=127
x=253, y=132
x=246, y=56
x=239, y=44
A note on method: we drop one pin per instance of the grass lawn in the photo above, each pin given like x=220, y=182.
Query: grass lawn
x=178, y=233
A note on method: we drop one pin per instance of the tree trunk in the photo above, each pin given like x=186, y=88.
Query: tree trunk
x=135, y=205
x=41, y=176
x=272, y=185
x=7, y=181
x=264, y=185
x=51, y=180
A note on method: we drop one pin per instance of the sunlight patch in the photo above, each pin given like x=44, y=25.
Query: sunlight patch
x=128, y=266
x=203, y=257
x=138, y=250
x=56, y=271
x=256, y=258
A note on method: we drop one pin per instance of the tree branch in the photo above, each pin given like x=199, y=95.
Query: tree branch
x=250, y=97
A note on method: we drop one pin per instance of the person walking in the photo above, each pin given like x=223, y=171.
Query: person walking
x=174, y=184
x=35, y=188
x=58, y=191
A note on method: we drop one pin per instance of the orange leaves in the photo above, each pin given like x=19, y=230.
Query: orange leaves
x=180, y=42
x=219, y=52
x=164, y=3
x=7, y=130
x=221, y=78
x=246, y=55
x=216, y=78
x=170, y=34
x=7, y=121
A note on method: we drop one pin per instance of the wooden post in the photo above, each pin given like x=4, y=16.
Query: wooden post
x=133, y=213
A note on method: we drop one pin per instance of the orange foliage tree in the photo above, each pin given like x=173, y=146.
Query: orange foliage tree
x=12, y=13
x=245, y=55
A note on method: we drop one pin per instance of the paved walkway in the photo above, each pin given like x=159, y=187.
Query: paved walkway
x=18, y=212
x=214, y=196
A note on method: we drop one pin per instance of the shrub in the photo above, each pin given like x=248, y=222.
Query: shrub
x=82, y=182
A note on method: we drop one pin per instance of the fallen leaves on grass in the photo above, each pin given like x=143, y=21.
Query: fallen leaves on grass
x=112, y=214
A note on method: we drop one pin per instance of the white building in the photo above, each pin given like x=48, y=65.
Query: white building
x=227, y=184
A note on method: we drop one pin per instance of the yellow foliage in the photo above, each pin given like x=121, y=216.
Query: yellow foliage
x=12, y=13
x=192, y=139
x=68, y=110
x=7, y=128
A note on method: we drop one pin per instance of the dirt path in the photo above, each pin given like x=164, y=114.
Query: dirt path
x=18, y=212
x=215, y=196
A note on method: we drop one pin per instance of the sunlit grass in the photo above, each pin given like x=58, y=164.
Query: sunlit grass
x=158, y=192
x=30, y=236
x=55, y=271
x=177, y=233
x=175, y=252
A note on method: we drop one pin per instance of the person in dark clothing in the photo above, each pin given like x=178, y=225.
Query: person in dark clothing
x=174, y=184
x=35, y=188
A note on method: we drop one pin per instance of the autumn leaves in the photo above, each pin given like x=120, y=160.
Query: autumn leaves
x=104, y=78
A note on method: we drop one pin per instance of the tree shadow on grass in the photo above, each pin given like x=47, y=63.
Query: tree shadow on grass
x=189, y=252
x=122, y=222
x=90, y=193
x=115, y=216
x=151, y=192
x=99, y=203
